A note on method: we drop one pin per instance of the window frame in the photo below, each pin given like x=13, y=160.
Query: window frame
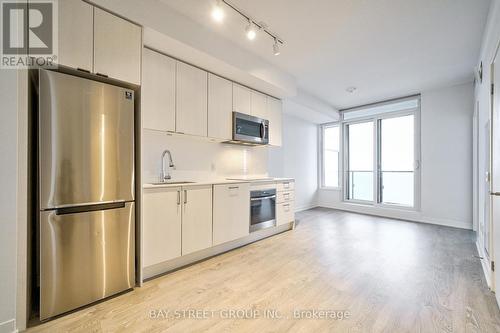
x=377, y=118
x=322, y=185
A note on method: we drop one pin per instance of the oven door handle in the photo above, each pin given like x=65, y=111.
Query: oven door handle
x=263, y=198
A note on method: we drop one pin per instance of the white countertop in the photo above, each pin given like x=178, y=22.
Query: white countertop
x=215, y=182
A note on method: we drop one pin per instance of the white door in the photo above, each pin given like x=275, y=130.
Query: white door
x=158, y=91
x=191, y=100
x=117, y=47
x=220, y=107
x=495, y=168
x=196, y=219
x=75, y=19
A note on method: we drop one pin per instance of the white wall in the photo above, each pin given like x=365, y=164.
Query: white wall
x=8, y=199
x=297, y=158
x=446, y=162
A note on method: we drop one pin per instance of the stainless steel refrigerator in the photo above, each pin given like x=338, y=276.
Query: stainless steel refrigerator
x=85, y=191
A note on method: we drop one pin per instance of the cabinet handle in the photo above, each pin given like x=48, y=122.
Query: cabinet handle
x=185, y=196
x=287, y=208
x=233, y=187
x=178, y=197
x=100, y=74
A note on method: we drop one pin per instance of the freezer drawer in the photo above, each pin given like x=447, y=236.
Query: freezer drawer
x=86, y=141
x=85, y=257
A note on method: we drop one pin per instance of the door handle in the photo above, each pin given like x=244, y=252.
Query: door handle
x=496, y=194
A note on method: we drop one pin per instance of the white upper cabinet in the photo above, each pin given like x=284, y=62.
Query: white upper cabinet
x=161, y=233
x=76, y=34
x=158, y=91
x=274, y=115
x=196, y=219
x=242, y=99
x=191, y=100
x=220, y=104
x=231, y=212
x=117, y=47
x=258, y=105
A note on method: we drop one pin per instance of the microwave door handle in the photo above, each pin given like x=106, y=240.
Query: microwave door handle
x=262, y=131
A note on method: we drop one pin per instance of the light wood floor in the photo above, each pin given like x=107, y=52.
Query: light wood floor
x=391, y=276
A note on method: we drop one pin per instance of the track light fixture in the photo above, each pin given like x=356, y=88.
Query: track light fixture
x=218, y=12
x=250, y=30
x=276, y=48
x=252, y=25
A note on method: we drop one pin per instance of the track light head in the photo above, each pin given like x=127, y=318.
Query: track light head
x=250, y=30
x=276, y=48
x=217, y=12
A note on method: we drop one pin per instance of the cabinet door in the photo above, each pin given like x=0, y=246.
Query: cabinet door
x=274, y=114
x=76, y=33
x=220, y=106
x=258, y=105
x=191, y=97
x=285, y=213
x=117, y=47
x=196, y=219
x=241, y=99
x=158, y=91
x=161, y=219
x=231, y=212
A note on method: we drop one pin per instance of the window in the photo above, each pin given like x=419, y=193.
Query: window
x=381, y=154
x=331, y=153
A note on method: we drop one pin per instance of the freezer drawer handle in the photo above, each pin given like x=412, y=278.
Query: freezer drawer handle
x=90, y=208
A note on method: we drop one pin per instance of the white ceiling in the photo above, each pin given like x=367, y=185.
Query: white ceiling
x=385, y=48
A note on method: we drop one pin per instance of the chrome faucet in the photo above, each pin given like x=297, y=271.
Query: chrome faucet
x=164, y=175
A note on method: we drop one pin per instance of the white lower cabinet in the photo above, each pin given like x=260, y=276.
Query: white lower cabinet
x=285, y=202
x=231, y=212
x=196, y=218
x=162, y=217
x=285, y=213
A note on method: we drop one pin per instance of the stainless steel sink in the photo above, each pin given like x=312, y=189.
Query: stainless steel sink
x=172, y=183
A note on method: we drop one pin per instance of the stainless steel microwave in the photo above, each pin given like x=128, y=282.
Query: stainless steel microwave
x=250, y=130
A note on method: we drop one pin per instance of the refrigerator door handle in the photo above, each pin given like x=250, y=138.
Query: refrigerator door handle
x=89, y=208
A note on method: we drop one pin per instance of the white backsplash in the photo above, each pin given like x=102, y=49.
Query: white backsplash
x=199, y=158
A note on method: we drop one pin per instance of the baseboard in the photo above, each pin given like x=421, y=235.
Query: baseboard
x=8, y=326
x=485, y=264
x=400, y=214
x=300, y=209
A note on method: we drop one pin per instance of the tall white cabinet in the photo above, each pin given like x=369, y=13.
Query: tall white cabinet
x=191, y=100
x=158, y=91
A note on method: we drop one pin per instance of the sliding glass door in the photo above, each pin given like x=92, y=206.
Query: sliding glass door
x=380, y=160
x=360, y=166
x=397, y=156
